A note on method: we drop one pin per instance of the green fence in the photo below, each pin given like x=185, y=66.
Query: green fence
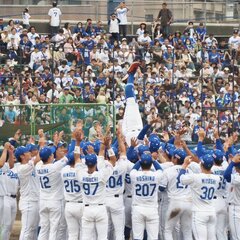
x=52, y=117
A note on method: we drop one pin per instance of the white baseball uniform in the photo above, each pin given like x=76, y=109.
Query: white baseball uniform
x=93, y=187
x=114, y=199
x=180, y=204
x=2, y=193
x=132, y=120
x=203, y=187
x=220, y=201
x=29, y=200
x=234, y=206
x=163, y=204
x=74, y=202
x=51, y=198
x=145, y=203
x=10, y=202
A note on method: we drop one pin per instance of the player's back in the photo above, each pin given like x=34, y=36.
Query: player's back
x=28, y=181
x=11, y=181
x=203, y=190
x=175, y=189
x=145, y=187
x=51, y=187
x=234, y=195
x=222, y=188
x=115, y=184
x=3, y=171
x=93, y=185
x=72, y=190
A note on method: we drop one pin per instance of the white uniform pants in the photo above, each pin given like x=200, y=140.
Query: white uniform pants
x=128, y=211
x=178, y=212
x=95, y=216
x=1, y=212
x=145, y=218
x=116, y=217
x=62, y=230
x=234, y=221
x=132, y=121
x=9, y=213
x=222, y=218
x=29, y=219
x=204, y=225
x=162, y=211
x=73, y=215
x=51, y=213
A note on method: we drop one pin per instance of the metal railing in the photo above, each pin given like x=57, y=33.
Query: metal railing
x=53, y=117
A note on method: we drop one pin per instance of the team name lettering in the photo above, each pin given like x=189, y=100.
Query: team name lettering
x=90, y=179
x=42, y=171
x=208, y=181
x=70, y=174
x=145, y=178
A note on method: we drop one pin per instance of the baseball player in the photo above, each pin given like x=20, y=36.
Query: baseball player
x=73, y=198
x=51, y=193
x=132, y=121
x=233, y=177
x=144, y=205
x=93, y=185
x=29, y=193
x=203, y=187
x=220, y=196
x=3, y=191
x=179, y=196
x=10, y=202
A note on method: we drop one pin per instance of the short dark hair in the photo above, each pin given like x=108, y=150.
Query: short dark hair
x=145, y=166
x=54, y=4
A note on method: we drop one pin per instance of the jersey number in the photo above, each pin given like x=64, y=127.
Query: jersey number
x=87, y=188
x=71, y=186
x=145, y=189
x=113, y=182
x=127, y=178
x=44, y=181
x=179, y=185
x=222, y=183
x=207, y=193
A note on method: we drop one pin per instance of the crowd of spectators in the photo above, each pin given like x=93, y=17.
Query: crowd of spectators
x=187, y=78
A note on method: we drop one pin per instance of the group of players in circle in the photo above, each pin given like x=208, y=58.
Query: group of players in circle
x=130, y=187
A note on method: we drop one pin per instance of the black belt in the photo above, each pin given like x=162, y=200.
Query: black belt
x=129, y=196
x=215, y=197
x=13, y=196
x=116, y=195
x=87, y=205
x=75, y=201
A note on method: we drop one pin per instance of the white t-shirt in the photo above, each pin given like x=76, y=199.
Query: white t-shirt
x=55, y=14
x=174, y=188
x=72, y=190
x=26, y=18
x=94, y=185
x=203, y=187
x=51, y=187
x=29, y=183
x=145, y=187
x=122, y=15
x=234, y=42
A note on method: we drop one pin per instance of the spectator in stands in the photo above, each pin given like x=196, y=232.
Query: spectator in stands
x=113, y=24
x=166, y=18
x=54, y=18
x=25, y=18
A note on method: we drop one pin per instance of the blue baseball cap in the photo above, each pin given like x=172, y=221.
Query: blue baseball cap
x=218, y=155
x=32, y=147
x=91, y=160
x=142, y=149
x=20, y=151
x=85, y=147
x=207, y=161
x=179, y=154
x=61, y=144
x=170, y=149
x=146, y=158
x=132, y=155
x=45, y=153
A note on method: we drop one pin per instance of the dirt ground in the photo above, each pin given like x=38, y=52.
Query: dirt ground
x=16, y=230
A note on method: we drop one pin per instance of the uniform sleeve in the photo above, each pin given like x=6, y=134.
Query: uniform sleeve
x=26, y=169
x=133, y=175
x=164, y=180
x=235, y=179
x=100, y=162
x=187, y=179
x=106, y=171
x=58, y=165
x=50, y=12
